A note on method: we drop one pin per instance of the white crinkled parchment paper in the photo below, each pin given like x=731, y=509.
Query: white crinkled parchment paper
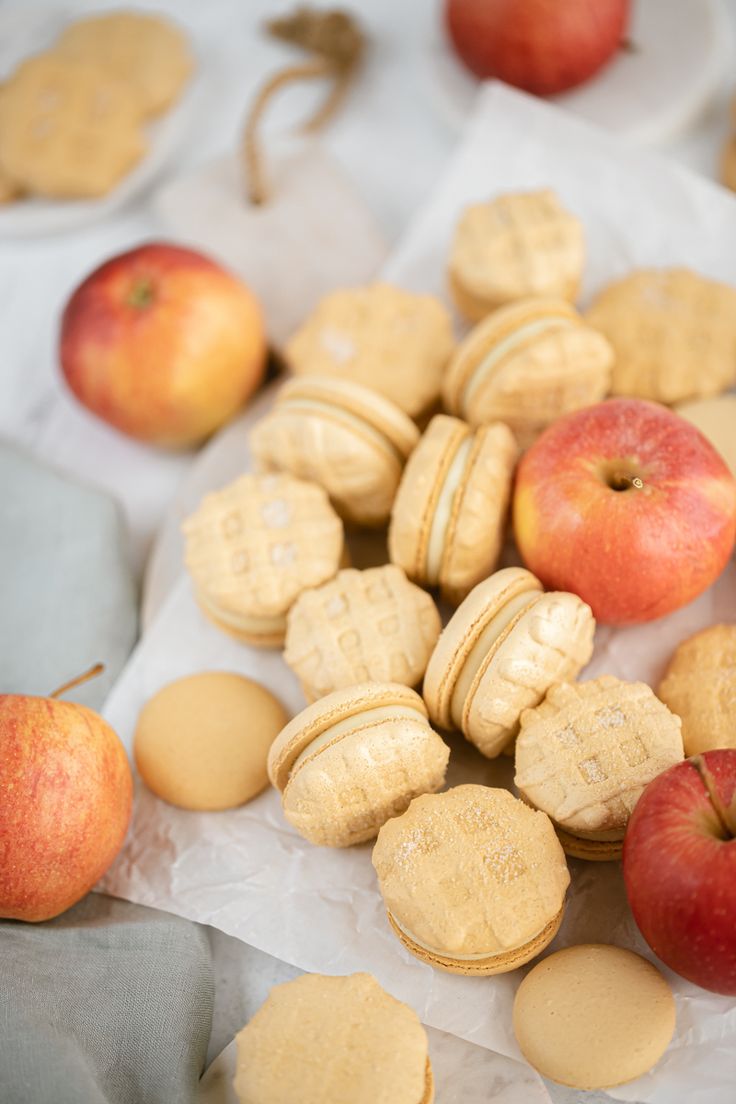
x=246, y=871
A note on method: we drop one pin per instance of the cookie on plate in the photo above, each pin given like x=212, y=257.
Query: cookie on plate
x=362, y=626
x=526, y=365
x=593, y=1016
x=352, y=760
x=512, y=247
x=585, y=754
x=380, y=336
x=68, y=129
x=349, y=439
x=252, y=547
x=673, y=333
x=449, y=514
x=202, y=741
x=499, y=654
x=329, y=1040
x=700, y=687
x=473, y=880
x=148, y=52
x=716, y=420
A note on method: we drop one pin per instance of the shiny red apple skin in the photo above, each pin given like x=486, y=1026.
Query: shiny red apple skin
x=680, y=872
x=636, y=554
x=66, y=793
x=162, y=343
x=542, y=46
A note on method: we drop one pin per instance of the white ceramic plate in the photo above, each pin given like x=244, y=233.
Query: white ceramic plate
x=27, y=29
x=647, y=95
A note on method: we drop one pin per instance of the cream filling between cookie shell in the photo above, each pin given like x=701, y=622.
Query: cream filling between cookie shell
x=480, y=649
x=443, y=512
x=367, y=718
x=243, y=623
x=311, y=406
x=477, y=957
x=503, y=348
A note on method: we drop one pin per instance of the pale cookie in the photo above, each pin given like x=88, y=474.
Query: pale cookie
x=147, y=51
x=349, y=439
x=382, y=337
x=202, y=742
x=673, y=334
x=514, y=246
x=527, y=365
x=68, y=130
x=585, y=754
x=499, y=654
x=449, y=515
x=700, y=687
x=333, y=1040
x=352, y=760
x=363, y=626
x=716, y=420
x=593, y=1016
x=472, y=879
x=252, y=547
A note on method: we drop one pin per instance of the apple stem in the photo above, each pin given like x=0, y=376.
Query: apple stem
x=95, y=670
x=726, y=815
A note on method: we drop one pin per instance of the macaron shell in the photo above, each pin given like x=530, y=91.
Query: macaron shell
x=495, y=964
x=590, y=850
x=460, y=634
x=322, y=714
x=593, y=1016
x=257, y=640
x=419, y=489
x=428, y=1097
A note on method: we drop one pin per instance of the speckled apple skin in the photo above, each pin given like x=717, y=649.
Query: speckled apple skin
x=66, y=794
x=681, y=877
x=632, y=555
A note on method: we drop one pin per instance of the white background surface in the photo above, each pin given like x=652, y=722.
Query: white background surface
x=391, y=141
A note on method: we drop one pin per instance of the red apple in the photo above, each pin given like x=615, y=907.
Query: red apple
x=627, y=505
x=66, y=792
x=542, y=46
x=163, y=343
x=679, y=866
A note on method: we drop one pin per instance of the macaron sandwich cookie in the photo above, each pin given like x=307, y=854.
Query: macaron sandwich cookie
x=500, y=652
x=473, y=880
x=448, y=518
x=381, y=336
x=585, y=754
x=526, y=365
x=345, y=437
x=333, y=1040
x=513, y=246
x=362, y=626
x=253, y=546
x=353, y=759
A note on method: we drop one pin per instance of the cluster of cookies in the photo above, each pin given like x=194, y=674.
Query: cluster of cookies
x=72, y=118
x=474, y=879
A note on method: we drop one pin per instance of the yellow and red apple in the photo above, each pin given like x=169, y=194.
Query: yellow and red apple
x=679, y=864
x=627, y=505
x=66, y=793
x=163, y=343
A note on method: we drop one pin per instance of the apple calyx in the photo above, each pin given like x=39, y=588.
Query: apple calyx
x=95, y=670
x=141, y=294
x=726, y=814
x=619, y=476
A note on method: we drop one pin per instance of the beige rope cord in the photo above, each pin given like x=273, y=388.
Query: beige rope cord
x=337, y=43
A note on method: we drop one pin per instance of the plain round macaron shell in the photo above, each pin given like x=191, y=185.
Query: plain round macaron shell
x=448, y=518
x=593, y=1016
x=362, y=626
x=329, y=1040
x=699, y=685
x=202, y=742
x=473, y=880
x=526, y=365
x=716, y=420
x=585, y=754
x=354, y=759
x=345, y=437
